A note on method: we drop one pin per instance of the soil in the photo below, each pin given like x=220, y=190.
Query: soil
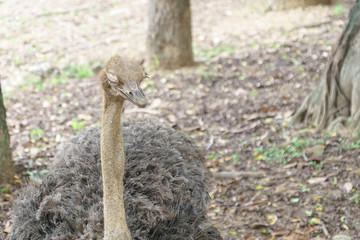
x=253, y=69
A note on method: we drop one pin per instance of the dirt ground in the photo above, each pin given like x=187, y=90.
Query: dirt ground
x=254, y=67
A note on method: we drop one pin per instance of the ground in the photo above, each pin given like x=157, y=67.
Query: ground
x=253, y=68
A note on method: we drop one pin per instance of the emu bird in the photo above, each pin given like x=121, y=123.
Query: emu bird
x=87, y=193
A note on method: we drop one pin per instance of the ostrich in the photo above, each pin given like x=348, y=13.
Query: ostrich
x=87, y=193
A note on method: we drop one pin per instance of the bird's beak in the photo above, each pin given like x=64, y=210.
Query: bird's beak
x=135, y=95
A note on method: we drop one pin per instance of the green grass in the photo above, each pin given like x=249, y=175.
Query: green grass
x=220, y=50
x=283, y=154
x=355, y=198
x=33, y=82
x=339, y=10
x=350, y=145
x=78, y=125
x=36, y=135
x=78, y=71
x=149, y=86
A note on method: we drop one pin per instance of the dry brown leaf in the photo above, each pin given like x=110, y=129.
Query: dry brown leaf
x=317, y=180
x=280, y=232
x=8, y=227
x=297, y=235
x=348, y=186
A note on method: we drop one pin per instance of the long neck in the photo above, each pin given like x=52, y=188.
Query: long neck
x=113, y=163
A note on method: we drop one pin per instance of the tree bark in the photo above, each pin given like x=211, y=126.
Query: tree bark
x=169, y=37
x=287, y=4
x=335, y=104
x=6, y=163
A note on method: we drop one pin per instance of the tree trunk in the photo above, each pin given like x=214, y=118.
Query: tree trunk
x=287, y=4
x=335, y=104
x=6, y=163
x=169, y=35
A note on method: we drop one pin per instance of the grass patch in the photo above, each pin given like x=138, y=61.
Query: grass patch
x=33, y=82
x=79, y=71
x=352, y=145
x=36, y=135
x=220, y=50
x=78, y=125
x=283, y=154
x=339, y=10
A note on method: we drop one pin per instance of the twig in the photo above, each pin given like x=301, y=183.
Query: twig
x=304, y=156
x=324, y=229
x=62, y=12
x=211, y=142
x=231, y=175
x=313, y=25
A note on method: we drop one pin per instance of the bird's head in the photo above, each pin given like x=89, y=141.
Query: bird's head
x=121, y=79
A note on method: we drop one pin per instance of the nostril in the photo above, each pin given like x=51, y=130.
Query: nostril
x=130, y=93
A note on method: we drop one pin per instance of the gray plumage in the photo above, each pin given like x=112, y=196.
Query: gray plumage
x=165, y=189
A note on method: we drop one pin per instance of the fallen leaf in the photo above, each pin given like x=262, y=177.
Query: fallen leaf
x=297, y=235
x=280, y=232
x=172, y=118
x=348, y=186
x=258, y=225
x=8, y=227
x=272, y=219
x=17, y=180
x=317, y=180
x=315, y=221
x=341, y=237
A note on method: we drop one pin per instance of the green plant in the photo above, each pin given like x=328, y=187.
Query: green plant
x=319, y=207
x=223, y=50
x=350, y=146
x=334, y=181
x=212, y=156
x=241, y=78
x=283, y=153
x=355, y=198
x=79, y=71
x=253, y=93
x=316, y=164
x=34, y=82
x=235, y=158
x=149, y=86
x=305, y=188
x=4, y=189
x=36, y=135
x=17, y=60
x=60, y=80
x=339, y=10
x=76, y=125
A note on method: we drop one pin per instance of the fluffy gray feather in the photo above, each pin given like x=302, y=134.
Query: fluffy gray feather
x=165, y=189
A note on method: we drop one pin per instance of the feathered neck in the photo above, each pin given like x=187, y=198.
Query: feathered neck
x=113, y=165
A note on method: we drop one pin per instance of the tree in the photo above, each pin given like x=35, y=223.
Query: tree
x=286, y=4
x=335, y=104
x=6, y=163
x=169, y=37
